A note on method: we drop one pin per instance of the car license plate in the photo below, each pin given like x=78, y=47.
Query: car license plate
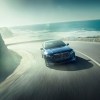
x=65, y=55
x=61, y=56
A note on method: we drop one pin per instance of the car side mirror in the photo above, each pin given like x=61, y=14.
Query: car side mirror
x=67, y=44
x=41, y=49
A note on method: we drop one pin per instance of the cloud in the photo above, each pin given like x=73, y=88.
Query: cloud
x=20, y=12
x=54, y=1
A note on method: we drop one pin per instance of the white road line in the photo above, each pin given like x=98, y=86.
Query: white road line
x=89, y=58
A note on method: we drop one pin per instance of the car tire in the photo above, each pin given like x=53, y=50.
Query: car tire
x=74, y=61
x=47, y=63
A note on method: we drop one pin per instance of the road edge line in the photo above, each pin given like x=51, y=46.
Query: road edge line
x=89, y=58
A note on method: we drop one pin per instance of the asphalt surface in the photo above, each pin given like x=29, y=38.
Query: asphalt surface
x=32, y=80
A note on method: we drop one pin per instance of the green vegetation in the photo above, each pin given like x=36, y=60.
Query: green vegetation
x=9, y=60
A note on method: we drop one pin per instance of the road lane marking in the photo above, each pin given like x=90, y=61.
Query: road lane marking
x=89, y=58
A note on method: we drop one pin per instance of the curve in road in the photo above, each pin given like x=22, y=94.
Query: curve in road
x=72, y=81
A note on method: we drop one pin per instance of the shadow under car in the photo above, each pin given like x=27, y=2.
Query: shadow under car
x=79, y=64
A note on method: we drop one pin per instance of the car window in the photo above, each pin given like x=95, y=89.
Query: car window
x=54, y=44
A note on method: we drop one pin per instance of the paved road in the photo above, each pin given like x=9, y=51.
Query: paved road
x=89, y=48
x=32, y=80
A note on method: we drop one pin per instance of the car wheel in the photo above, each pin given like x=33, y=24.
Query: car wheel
x=74, y=58
x=47, y=63
x=74, y=61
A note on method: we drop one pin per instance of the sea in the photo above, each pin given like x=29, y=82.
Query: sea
x=74, y=29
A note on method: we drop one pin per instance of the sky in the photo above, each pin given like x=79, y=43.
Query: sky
x=26, y=12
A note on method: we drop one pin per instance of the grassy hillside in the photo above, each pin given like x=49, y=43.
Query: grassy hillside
x=9, y=60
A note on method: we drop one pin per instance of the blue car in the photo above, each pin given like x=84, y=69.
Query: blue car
x=56, y=51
